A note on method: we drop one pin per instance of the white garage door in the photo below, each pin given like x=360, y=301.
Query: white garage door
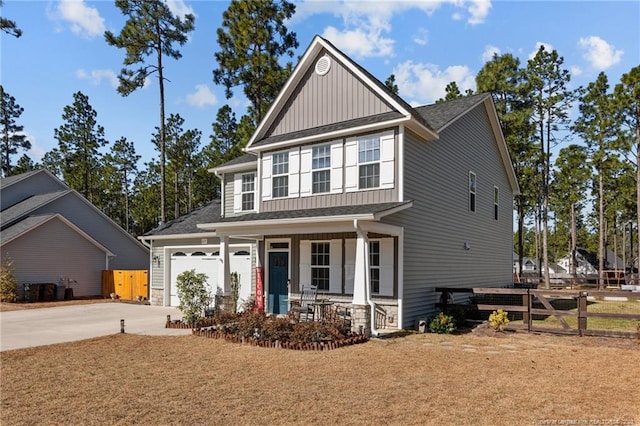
x=207, y=262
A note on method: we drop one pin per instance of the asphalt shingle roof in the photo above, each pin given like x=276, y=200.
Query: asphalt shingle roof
x=187, y=224
x=23, y=226
x=442, y=113
x=17, y=211
x=306, y=213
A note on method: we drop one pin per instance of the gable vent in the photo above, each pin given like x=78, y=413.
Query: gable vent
x=323, y=65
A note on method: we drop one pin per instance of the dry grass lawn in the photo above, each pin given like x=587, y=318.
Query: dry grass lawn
x=420, y=379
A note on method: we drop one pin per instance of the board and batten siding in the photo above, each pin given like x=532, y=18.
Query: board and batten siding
x=439, y=224
x=341, y=197
x=54, y=250
x=129, y=253
x=332, y=98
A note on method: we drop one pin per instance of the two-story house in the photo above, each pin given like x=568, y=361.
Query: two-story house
x=347, y=187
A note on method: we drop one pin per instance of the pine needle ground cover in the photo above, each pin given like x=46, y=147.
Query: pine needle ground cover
x=509, y=378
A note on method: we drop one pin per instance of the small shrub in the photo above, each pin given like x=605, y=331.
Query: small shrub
x=275, y=328
x=498, y=320
x=193, y=295
x=305, y=332
x=8, y=283
x=457, y=312
x=442, y=324
x=250, y=324
x=234, y=279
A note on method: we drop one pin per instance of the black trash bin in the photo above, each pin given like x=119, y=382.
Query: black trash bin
x=68, y=293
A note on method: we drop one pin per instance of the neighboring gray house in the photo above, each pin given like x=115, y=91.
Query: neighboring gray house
x=179, y=246
x=349, y=188
x=54, y=235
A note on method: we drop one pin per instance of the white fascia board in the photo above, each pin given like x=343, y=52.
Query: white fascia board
x=254, y=226
x=234, y=168
x=380, y=215
x=502, y=144
x=176, y=236
x=332, y=135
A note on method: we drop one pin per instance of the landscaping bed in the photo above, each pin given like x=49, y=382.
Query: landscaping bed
x=258, y=329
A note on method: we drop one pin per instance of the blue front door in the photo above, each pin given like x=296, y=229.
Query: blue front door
x=278, y=282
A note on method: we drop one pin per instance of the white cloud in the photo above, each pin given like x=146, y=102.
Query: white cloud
x=576, y=71
x=360, y=43
x=425, y=83
x=489, y=52
x=203, y=96
x=547, y=46
x=478, y=11
x=421, y=37
x=367, y=24
x=179, y=8
x=96, y=76
x=600, y=54
x=84, y=20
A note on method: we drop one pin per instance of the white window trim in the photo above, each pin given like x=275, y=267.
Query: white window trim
x=335, y=264
x=326, y=146
x=387, y=162
x=279, y=175
x=238, y=192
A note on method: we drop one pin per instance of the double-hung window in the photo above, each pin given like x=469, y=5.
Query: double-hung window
x=369, y=162
x=320, y=265
x=280, y=173
x=472, y=192
x=374, y=266
x=248, y=191
x=321, y=166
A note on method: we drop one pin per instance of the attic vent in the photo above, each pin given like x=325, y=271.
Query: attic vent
x=323, y=65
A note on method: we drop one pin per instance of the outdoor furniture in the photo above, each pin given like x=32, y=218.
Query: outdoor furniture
x=306, y=307
x=321, y=306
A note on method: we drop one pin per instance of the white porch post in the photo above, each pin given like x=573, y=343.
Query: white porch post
x=361, y=273
x=224, y=272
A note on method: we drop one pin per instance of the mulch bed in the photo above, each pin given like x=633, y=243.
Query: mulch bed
x=298, y=346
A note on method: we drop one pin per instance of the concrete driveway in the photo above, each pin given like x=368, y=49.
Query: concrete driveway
x=45, y=326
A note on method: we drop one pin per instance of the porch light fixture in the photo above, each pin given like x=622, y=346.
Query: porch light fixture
x=467, y=246
x=156, y=260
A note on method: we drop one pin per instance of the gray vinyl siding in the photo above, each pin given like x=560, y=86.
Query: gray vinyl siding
x=331, y=200
x=320, y=100
x=129, y=253
x=36, y=184
x=439, y=223
x=54, y=250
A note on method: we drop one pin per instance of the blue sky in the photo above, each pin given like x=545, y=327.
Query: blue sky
x=426, y=44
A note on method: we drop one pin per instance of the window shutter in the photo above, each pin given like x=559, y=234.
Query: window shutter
x=266, y=176
x=386, y=267
x=305, y=263
x=349, y=265
x=294, y=173
x=335, y=266
x=237, y=192
x=336, y=167
x=387, y=156
x=351, y=165
x=305, y=172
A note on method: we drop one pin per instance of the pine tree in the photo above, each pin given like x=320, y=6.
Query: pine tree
x=150, y=31
x=505, y=80
x=252, y=39
x=570, y=183
x=597, y=128
x=79, y=141
x=627, y=104
x=8, y=26
x=390, y=82
x=12, y=138
x=123, y=160
x=551, y=103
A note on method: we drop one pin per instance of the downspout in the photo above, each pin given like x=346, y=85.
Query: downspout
x=367, y=284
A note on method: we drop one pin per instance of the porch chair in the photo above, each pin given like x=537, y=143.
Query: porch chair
x=306, y=307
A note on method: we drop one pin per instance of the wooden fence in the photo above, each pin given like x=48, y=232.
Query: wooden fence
x=528, y=308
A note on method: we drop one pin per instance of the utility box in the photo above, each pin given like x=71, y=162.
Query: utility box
x=126, y=284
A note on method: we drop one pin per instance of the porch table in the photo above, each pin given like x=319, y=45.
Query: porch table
x=321, y=307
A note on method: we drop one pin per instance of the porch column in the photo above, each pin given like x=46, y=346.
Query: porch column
x=361, y=273
x=224, y=272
